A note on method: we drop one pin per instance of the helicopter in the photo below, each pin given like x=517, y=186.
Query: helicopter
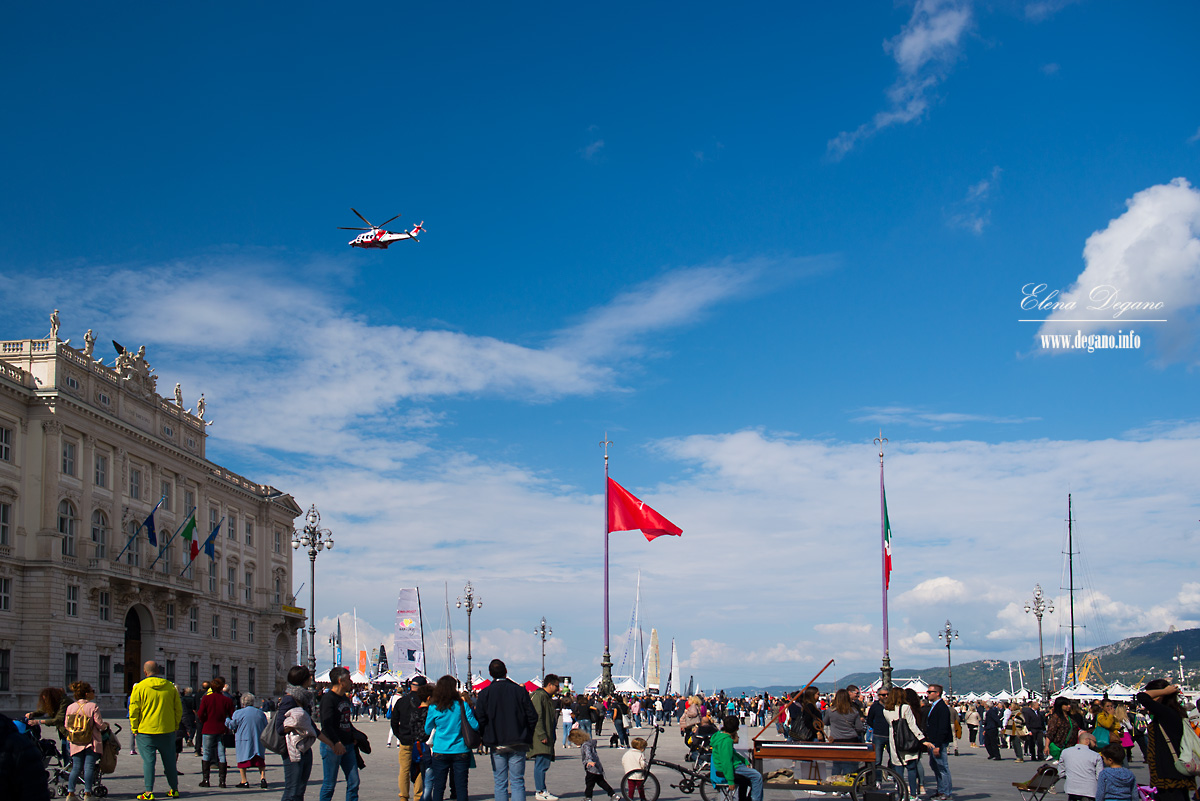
x=377, y=237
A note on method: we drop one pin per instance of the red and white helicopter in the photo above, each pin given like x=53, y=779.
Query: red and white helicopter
x=377, y=237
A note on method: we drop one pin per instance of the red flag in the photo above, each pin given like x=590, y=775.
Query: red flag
x=626, y=513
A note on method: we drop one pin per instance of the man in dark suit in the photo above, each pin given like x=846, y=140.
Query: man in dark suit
x=940, y=730
x=992, y=723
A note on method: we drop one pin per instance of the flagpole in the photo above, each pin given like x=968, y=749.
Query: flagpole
x=606, y=681
x=167, y=544
x=885, y=670
x=139, y=529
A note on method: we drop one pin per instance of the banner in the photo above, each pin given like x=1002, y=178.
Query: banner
x=408, y=656
x=362, y=663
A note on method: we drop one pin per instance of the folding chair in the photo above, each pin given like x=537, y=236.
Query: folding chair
x=1042, y=782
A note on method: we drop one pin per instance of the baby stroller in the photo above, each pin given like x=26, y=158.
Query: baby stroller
x=53, y=761
x=107, y=761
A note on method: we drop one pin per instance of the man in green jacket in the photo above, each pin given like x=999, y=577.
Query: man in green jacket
x=155, y=711
x=544, y=733
x=731, y=766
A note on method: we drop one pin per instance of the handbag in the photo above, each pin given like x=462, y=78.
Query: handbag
x=902, y=735
x=229, y=740
x=272, y=740
x=470, y=736
x=1187, y=757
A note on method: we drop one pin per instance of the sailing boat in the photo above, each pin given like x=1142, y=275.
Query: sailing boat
x=673, y=677
x=652, y=664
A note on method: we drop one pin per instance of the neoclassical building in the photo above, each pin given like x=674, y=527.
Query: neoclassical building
x=86, y=451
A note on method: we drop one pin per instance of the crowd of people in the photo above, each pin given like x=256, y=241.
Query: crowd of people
x=438, y=730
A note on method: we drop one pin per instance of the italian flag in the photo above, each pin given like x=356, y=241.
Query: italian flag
x=887, y=546
x=189, y=534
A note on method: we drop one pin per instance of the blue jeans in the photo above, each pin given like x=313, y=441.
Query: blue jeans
x=566, y=729
x=880, y=741
x=214, y=750
x=916, y=777
x=295, y=776
x=427, y=782
x=586, y=725
x=541, y=764
x=941, y=767
x=83, y=761
x=755, y=778
x=347, y=763
x=508, y=769
x=442, y=765
x=622, y=735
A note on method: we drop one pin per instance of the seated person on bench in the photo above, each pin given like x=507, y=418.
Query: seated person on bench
x=731, y=767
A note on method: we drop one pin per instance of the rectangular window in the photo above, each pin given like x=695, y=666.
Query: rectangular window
x=249, y=589
x=233, y=629
x=5, y=523
x=170, y=671
x=166, y=495
x=101, y=470
x=216, y=671
x=233, y=681
x=189, y=501
x=135, y=484
x=105, y=605
x=249, y=532
x=250, y=637
x=278, y=591
x=212, y=577
x=104, y=684
x=231, y=582
x=5, y=444
x=250, y=680
x=133, y=554
x=5, y=669
x=231, y=529
x=70, y=669
x=216, y=628
x=194, y=675
x=212, y=521
x=5, y=595
x=72, y=600
x=68, y=464
x=171, y=616
x=194, y=621
x=164, y=559
x=278, y=541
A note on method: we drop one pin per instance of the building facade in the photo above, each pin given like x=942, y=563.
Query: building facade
x=86, y=452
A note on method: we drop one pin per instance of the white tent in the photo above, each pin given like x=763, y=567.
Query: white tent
x=1004, y=695
x=387, y=678
x=322, y=678
x=630, y=685
x=358, y=677
x=594, y=685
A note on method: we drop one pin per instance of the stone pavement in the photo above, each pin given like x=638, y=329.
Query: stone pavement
x=975, y=778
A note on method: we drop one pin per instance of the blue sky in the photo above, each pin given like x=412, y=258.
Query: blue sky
x=739, y=241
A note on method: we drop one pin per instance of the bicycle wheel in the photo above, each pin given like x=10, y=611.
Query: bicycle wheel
x=710, y=793
x=877, y=777
x=649, y=786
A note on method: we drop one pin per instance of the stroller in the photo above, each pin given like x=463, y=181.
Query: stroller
x=58, y=764
x=53, y=760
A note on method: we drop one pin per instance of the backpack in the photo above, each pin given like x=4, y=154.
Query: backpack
x=78, y=726
x=1187, y=758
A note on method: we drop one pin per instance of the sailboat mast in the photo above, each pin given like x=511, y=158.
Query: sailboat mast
x=421, y=619
x=1071, y=578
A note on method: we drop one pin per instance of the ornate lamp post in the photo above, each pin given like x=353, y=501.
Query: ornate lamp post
x=1179, y=658
x=1040, y=605
x=543, y=631
x=949, y=634
x=468, y=601
x=314, y=538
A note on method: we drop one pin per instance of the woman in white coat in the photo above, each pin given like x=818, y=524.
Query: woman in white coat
x=896, y=708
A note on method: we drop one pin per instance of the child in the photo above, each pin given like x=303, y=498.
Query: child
x=1116, y=782
x=635, y=759
x=594, y=771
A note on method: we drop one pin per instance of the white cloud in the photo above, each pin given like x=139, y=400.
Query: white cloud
x=924, y=51
x=843, y=628
x=1194, y=137
x=592, y=149
x=972, y=212
x=940, y=590
x=1044, y=9
x=1150, y=255
x=938, y=421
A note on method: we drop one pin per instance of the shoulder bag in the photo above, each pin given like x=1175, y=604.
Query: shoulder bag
x=470, y=736
x=1187, y=756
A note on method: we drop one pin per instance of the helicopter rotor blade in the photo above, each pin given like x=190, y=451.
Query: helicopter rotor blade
x=343, y=228
x=385, y=222
x=364, y=219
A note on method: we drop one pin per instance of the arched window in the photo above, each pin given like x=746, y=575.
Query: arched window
x=100, y=533
x=66, y=526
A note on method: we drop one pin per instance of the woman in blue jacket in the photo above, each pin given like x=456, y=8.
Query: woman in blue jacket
x=444, y=721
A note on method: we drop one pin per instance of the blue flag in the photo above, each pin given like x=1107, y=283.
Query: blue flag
x=151, y=535
x=209, y=547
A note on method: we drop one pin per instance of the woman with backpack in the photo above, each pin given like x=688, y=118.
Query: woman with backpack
x=84, y=726
x=1161, y=700
x=905, y=738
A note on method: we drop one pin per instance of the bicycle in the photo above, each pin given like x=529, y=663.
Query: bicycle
x=690, y=779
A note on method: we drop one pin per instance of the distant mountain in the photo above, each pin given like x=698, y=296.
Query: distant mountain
x=1131, y=661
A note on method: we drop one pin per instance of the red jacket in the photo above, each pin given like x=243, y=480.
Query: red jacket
x=214, y=708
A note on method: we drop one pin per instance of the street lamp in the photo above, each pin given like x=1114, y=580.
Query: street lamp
x=468, y=601
x=1179, y=658
x=314, y=538
x=949, y=634
x=1040, y=605
x=544, y=631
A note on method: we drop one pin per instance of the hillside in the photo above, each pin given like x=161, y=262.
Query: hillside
x=1131, y=661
